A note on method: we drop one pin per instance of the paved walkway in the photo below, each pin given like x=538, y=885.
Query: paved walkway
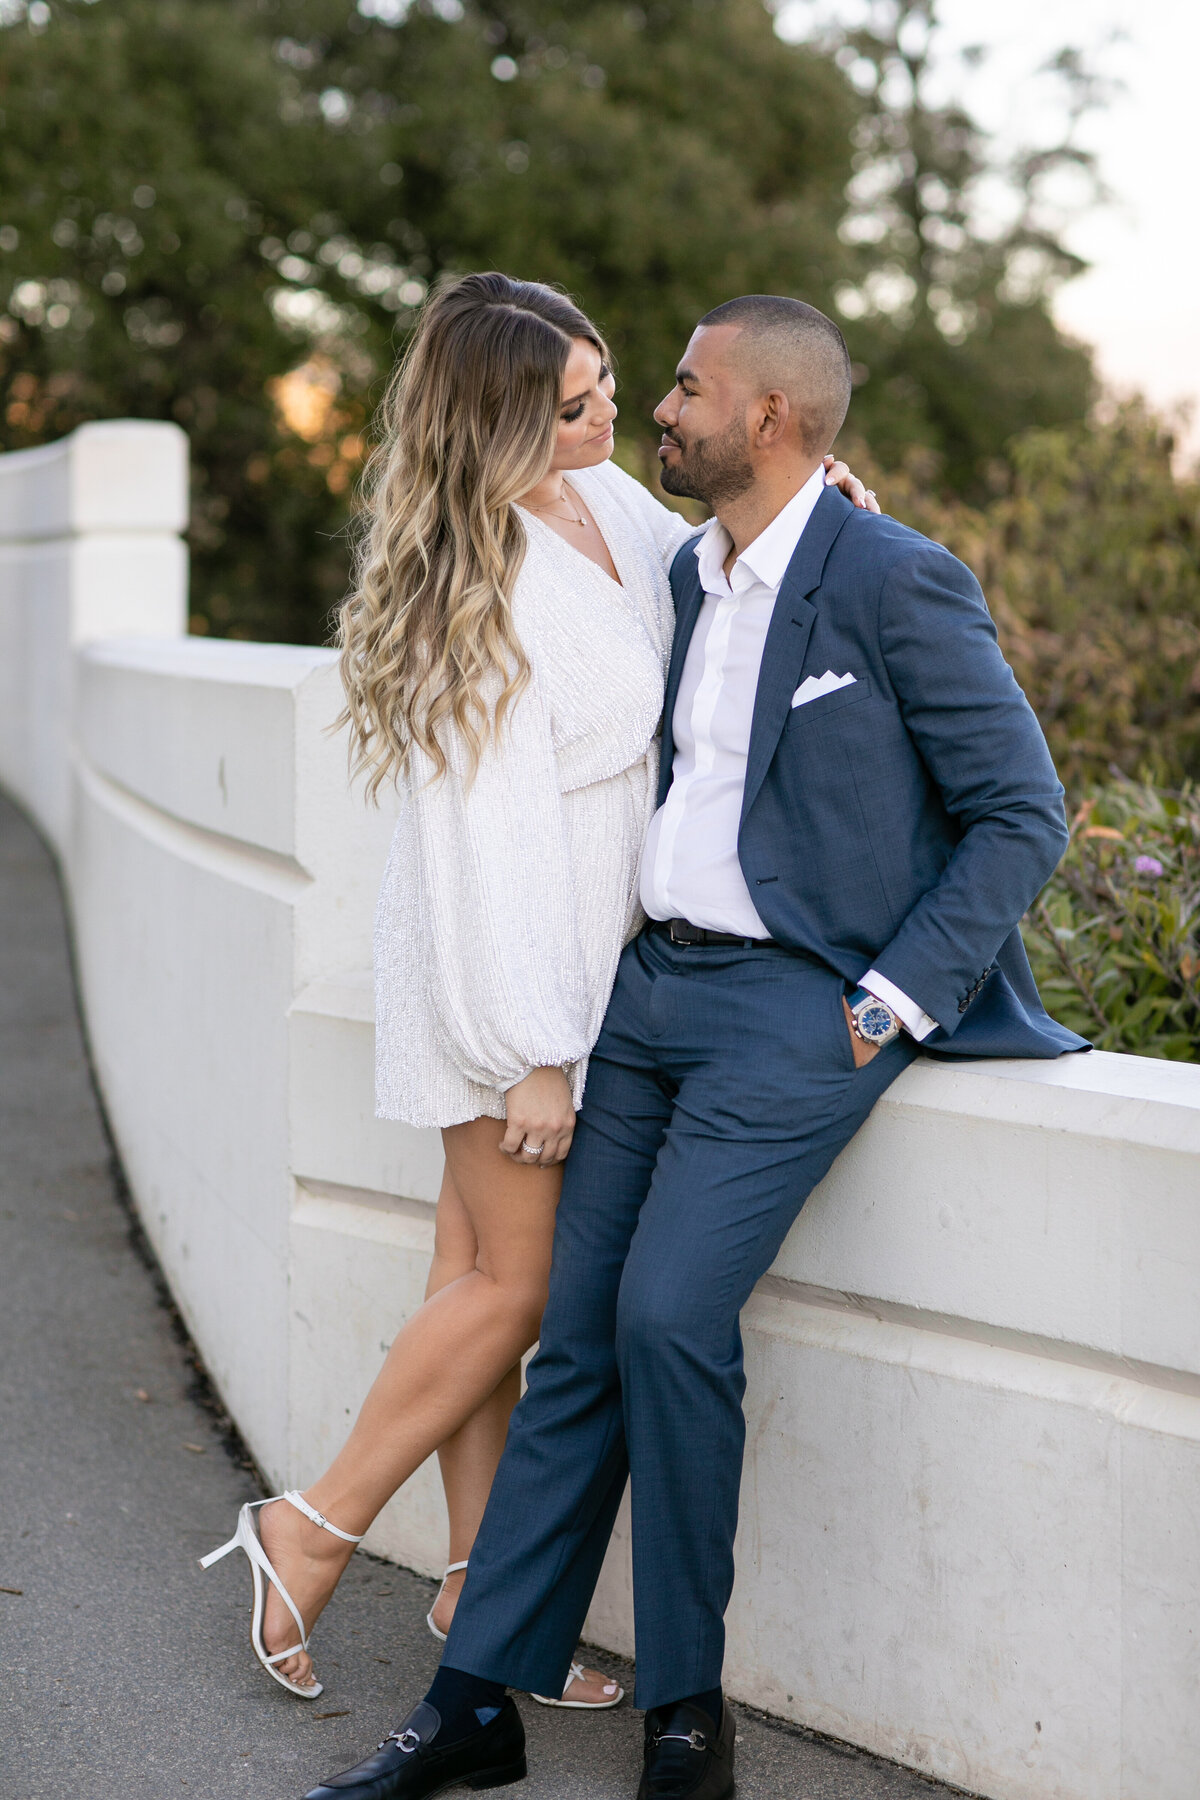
x=124, y=1670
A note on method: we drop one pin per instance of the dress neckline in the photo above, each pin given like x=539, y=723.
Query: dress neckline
x=617, y=582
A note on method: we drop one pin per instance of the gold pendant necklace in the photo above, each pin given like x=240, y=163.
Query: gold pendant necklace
x=581, y=521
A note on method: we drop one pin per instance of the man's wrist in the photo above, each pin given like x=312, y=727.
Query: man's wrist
x=872, y=1020
x=915, y=1021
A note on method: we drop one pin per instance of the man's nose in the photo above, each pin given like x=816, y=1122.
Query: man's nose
x=665, y=412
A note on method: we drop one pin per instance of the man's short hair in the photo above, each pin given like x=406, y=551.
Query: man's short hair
x=789, y=345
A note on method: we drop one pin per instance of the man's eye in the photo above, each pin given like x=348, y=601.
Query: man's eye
x=570, y=417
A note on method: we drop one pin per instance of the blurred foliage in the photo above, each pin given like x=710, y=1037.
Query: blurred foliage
x=144, y=159
x=1089, y=554
x=224, y=212
x=1115, y=938
x=947, y=304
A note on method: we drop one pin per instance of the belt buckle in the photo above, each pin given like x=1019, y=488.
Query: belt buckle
x=685, y=943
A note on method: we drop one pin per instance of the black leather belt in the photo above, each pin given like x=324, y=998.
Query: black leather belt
x=681, y=932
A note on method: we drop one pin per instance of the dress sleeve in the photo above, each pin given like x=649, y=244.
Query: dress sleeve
x=507, y=976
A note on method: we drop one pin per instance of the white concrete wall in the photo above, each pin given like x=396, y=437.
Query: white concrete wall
x=89, y=548
x=217, y=867
x=971, y=1512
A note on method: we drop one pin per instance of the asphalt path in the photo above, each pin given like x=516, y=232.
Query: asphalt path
x=125, y=1671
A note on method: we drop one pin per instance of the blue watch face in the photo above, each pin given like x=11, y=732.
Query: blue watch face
x=875, y=1021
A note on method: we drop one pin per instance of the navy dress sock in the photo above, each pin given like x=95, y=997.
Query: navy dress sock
x=709, y=1702
x=464, y=1703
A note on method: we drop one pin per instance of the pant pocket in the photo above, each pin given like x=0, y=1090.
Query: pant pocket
x=845, y=1039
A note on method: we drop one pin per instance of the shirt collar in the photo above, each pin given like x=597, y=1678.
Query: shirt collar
x=767, y=558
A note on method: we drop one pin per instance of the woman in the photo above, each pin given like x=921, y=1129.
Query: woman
x=503, y=653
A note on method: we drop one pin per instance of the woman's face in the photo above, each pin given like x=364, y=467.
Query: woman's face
x=585, y=419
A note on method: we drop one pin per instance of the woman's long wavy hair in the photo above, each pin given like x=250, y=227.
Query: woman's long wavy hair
x=468, y=426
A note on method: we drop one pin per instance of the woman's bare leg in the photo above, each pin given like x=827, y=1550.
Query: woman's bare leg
x=469, y=1458
x=447, y=1363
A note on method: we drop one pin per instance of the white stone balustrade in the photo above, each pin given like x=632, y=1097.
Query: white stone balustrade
x=89, y=549
x=971, y=1512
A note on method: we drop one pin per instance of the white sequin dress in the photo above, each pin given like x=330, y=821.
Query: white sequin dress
x=505, y=905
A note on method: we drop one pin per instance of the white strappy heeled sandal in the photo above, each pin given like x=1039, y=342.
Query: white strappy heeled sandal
x=246, y=1538
x=450, y=1569
x=578, y=1672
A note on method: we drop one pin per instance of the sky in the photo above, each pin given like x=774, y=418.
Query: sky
x=1139, y=303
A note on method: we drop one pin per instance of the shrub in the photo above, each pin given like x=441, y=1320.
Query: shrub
x=1089, y=555
x=1115, y=938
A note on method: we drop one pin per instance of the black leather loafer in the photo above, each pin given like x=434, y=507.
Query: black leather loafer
x=686, y=1756
x=409, y=1765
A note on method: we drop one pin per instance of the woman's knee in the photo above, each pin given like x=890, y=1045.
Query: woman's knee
x=524, y=1301
x=455, y=1245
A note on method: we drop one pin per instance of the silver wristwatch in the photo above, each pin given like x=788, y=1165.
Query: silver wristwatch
x=874, y=1021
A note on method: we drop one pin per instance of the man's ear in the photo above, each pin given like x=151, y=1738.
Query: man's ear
x=773, y=413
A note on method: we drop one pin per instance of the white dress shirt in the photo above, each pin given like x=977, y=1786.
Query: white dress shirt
x=690, y=868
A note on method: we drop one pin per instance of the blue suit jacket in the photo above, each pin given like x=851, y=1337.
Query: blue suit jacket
x=908, y=821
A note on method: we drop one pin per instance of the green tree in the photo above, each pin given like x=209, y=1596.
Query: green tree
x=202, y=198
x=651, y=161
x=145, y=158
x=959, y=252
x=225, y=212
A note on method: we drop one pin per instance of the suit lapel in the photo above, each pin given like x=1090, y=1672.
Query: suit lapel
x=689, y=597
x=787, y=637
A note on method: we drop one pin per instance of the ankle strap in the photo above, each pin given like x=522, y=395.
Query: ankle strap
x=310, y=1512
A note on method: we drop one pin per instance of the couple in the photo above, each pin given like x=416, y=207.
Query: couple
x=737, y=943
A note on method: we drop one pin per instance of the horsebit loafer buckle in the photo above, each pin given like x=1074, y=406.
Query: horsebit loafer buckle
x=696, y=1739
x=406, y=1740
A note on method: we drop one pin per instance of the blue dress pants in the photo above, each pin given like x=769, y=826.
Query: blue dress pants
x=721, y=1089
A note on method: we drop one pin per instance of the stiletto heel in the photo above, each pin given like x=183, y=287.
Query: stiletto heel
x=450, y=1569
x=261, y=1572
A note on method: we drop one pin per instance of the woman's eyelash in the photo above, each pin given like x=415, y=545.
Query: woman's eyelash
x=569, y=418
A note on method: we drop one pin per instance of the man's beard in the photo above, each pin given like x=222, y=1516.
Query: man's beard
x=712, y=469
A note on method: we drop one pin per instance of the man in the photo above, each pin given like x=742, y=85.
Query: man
x=856, y=807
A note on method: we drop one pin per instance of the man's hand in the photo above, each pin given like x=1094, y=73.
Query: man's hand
x=837, y=474
x=540, y=1114
x=863, y=1052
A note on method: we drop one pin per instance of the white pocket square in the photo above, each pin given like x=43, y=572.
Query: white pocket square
x=813, y=686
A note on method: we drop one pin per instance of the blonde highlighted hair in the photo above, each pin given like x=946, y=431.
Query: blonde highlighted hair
x=469, y=423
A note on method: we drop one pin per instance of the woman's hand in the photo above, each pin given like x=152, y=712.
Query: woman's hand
x=837, y=474
x=541, y=1114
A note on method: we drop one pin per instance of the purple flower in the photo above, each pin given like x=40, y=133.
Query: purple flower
x=1148, y=865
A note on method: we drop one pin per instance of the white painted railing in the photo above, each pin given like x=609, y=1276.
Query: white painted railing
x=971, y=1513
